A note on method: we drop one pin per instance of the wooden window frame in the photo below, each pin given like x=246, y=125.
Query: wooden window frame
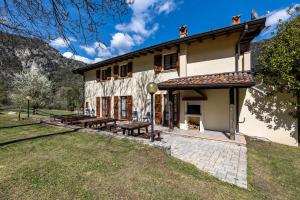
x=121, y=107
x=126, y=72
x=105, y=74
x=172, y=65
x=98, y=75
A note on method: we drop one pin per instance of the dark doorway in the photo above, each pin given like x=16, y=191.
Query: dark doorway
x=175, y=108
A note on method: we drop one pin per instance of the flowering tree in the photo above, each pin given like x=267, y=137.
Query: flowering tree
x=33, y=84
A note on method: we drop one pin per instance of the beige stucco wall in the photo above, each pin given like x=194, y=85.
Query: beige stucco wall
x=214, y=111
x=135, y=86
x=212, y=56
x=207, y=57
x=267, y=117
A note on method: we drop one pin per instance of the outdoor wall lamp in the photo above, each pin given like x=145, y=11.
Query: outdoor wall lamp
x=151, y=89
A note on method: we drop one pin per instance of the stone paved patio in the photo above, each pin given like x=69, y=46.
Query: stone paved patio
x=226, y=161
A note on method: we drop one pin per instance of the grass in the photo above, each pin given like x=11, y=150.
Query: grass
x=87, y=166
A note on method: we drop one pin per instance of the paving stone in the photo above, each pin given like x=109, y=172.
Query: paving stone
x=226, y=161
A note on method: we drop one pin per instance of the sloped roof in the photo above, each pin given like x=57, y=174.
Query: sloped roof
x=254, y=28
x=221, y=80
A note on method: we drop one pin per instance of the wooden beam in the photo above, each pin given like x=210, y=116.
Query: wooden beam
x=232, y=123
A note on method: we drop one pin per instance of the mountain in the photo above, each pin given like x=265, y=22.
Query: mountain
x=19, y=53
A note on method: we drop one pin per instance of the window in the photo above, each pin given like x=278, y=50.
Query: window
x=98, y=75
x=105, y=106
x=103, y=75
x=170, y=61
x=106, y=74
x=124, y=107
x=124, y=70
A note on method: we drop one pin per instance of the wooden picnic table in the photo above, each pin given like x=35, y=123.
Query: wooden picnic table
x=96, y=121
x=71, y=119
x=130, y=127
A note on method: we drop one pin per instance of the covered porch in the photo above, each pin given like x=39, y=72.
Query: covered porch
x=208, y=105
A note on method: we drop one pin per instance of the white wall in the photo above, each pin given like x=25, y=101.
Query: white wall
x=212, y=56
x=267, y=117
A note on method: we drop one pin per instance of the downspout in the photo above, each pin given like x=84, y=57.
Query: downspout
x=237, y=57
x=238, y=48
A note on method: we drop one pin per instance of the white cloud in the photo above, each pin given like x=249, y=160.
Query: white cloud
x=141, y=24
x=274, y=18
x=104, y=52
x=77, y=57
x=166, y=7
x=61, y=43
x=277, y=16
x=135, y=32
x=90, y=50
x=140, y=6
x=121, y=42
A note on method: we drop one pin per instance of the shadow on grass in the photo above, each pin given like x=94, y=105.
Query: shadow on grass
x=19, y=125
x=37, y=137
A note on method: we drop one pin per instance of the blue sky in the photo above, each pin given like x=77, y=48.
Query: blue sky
x=151, y=22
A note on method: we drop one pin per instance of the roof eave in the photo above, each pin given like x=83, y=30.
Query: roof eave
x=206, y=86
x=224, y=30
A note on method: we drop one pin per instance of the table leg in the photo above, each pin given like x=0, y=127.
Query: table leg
x=146, y=129
x=139, y=131
x=123, y=131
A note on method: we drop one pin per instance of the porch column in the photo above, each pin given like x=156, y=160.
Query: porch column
x=232, y=123
x=171, y=111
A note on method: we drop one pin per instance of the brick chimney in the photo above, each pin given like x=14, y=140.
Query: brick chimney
x=236, y=19
x=183, y=31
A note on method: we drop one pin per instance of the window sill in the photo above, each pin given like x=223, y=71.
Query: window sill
x=169, y=70
x=120, y=78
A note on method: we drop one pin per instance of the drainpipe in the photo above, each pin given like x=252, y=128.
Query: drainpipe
x=238, y=49
x=237, y=57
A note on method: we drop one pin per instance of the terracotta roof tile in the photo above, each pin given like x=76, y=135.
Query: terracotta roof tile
x=222, y=80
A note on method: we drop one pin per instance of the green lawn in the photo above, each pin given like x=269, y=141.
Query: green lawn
x=87, y=166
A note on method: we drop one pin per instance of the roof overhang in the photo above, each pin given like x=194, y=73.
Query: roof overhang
x=253, y=28
x=211, y=81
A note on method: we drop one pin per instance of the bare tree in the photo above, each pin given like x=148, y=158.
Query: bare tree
x=49, y=19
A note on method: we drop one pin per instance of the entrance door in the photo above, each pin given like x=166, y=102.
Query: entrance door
x=175, y=109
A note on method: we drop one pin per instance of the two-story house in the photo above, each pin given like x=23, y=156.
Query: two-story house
x=205, y=81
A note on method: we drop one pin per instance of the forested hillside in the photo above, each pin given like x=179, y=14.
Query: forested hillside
x=19, y=53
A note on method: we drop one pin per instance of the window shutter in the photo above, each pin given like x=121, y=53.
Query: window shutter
x=108, y=73
x=98, y=75
x=108, y=106
x=129, y=107
x=116, y=108
x=129, y=72
x=157, y=63
x=158, y=108
x=98, y=106
x=116, y=71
